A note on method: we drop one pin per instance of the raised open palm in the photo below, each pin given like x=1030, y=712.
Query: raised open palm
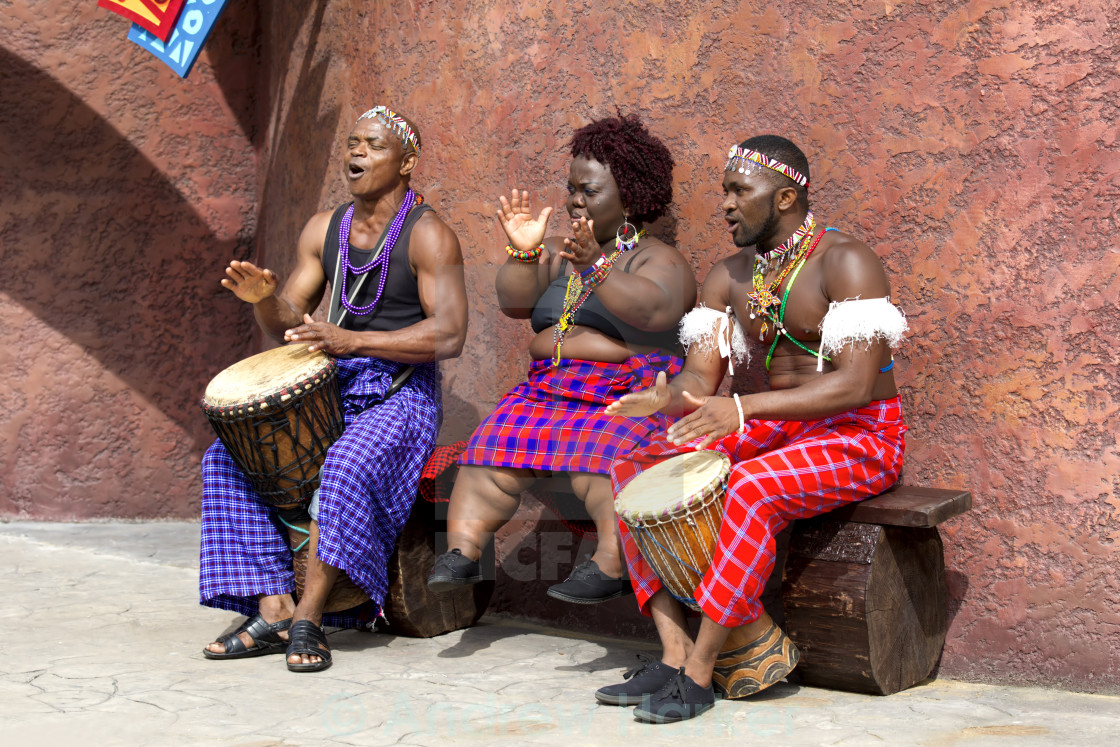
x=524, y=231
x=249, y=282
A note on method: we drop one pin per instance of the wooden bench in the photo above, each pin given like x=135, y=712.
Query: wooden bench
x=863, y=587
x=864, y=590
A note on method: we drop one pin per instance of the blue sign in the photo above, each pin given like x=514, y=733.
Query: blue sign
x=196, y=21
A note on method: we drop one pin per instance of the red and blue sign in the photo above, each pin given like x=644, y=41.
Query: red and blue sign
x=156, y=16
x=190, y=33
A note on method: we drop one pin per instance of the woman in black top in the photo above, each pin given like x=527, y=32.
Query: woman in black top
x=605, y=303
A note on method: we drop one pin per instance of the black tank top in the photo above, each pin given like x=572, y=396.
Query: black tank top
x=593, y=314
x=399, y=306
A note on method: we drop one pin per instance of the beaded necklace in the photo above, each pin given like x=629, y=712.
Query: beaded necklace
x=776, y=256
x=764, y=296
x=579, y=291
x=380, y=260
x=779, y=318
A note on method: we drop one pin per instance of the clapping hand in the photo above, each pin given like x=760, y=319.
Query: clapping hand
x=525, y=232
x=643, y=403
x=249, y=282
x=583, y=250
x=713, y=418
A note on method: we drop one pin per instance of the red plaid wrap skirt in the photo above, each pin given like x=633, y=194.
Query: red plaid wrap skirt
x=554, y=421
x=780, y=471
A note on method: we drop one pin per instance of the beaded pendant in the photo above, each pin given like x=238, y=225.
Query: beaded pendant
x=763, y=300
x=578, y=291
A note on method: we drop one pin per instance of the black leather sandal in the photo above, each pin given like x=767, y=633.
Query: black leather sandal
x=266, y=640
x=305, y=637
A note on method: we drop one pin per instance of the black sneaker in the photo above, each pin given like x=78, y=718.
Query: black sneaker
x=452, y=571
x=679, y=700
x=642, y=681
x=588, y=585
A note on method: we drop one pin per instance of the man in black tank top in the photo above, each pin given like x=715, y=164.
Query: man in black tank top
x=397, y=307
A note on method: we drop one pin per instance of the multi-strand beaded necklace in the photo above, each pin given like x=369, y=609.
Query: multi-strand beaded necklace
x=380, y=260
x=764, y=298
x=579, y=290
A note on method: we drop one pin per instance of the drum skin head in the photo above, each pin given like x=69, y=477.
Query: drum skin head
x=258, y=376
x=671, y=487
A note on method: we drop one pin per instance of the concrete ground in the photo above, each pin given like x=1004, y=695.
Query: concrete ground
x=100, y=639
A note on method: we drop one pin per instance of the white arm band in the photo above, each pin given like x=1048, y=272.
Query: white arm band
x=861, y=322
x=704, y=329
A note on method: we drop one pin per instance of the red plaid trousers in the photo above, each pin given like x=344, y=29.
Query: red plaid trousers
x=780, y=471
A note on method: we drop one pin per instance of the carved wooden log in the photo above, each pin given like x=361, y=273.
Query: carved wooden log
x=410, y=608
x=865, y=603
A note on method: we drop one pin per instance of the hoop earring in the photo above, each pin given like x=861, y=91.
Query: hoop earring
x=623, y=236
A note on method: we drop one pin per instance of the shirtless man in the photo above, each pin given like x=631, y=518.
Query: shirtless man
x=398, y=300
x=814, y=302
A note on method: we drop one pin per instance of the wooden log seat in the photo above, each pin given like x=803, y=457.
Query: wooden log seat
x=410, y=608
x=864, y=590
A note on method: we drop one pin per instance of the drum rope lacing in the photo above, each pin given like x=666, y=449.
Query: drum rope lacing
x=641, y=537
x=644, y=538
x=249, y=433
x=298, y=530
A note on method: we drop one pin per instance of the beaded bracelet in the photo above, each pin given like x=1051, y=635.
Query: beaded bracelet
x=592, y=269
x=738, y=404
x=530, y=256
x=596, y=276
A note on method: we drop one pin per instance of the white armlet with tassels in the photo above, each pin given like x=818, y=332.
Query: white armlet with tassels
x=704, y=329
x=858, y=321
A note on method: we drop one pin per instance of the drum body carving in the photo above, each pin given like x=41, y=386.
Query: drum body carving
x=277, y=413
x=674, y=511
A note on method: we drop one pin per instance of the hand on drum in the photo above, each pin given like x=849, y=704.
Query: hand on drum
x=644, y=403
x=525, y=233
x=322, y=336
x=713, y=418
x=249, y=282
x=583, y=250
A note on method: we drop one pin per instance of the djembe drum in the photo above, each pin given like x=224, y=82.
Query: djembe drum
x=674, y=511
x=277, y=413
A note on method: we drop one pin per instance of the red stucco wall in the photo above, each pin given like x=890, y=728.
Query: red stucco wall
x=122, y=189
x=972, y=143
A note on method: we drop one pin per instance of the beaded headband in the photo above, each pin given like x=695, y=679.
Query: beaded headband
x=740, y=159
x=397, y=124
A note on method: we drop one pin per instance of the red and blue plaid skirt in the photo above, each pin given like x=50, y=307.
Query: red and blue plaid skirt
x=554, y=421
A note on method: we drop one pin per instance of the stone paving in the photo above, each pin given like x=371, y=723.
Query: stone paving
x=100, y=640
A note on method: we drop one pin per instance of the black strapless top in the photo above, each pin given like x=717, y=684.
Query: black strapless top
x=595, y=315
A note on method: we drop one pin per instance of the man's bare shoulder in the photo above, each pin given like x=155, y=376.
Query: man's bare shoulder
x=315, y=233
x=734, y=270
x=432, y=239
x=716, y=290
x=851, y=268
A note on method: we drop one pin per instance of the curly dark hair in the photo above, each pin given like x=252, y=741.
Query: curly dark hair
x=640, y=163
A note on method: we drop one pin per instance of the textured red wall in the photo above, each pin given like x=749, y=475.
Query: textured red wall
x=972, y=144
x=122, y=190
